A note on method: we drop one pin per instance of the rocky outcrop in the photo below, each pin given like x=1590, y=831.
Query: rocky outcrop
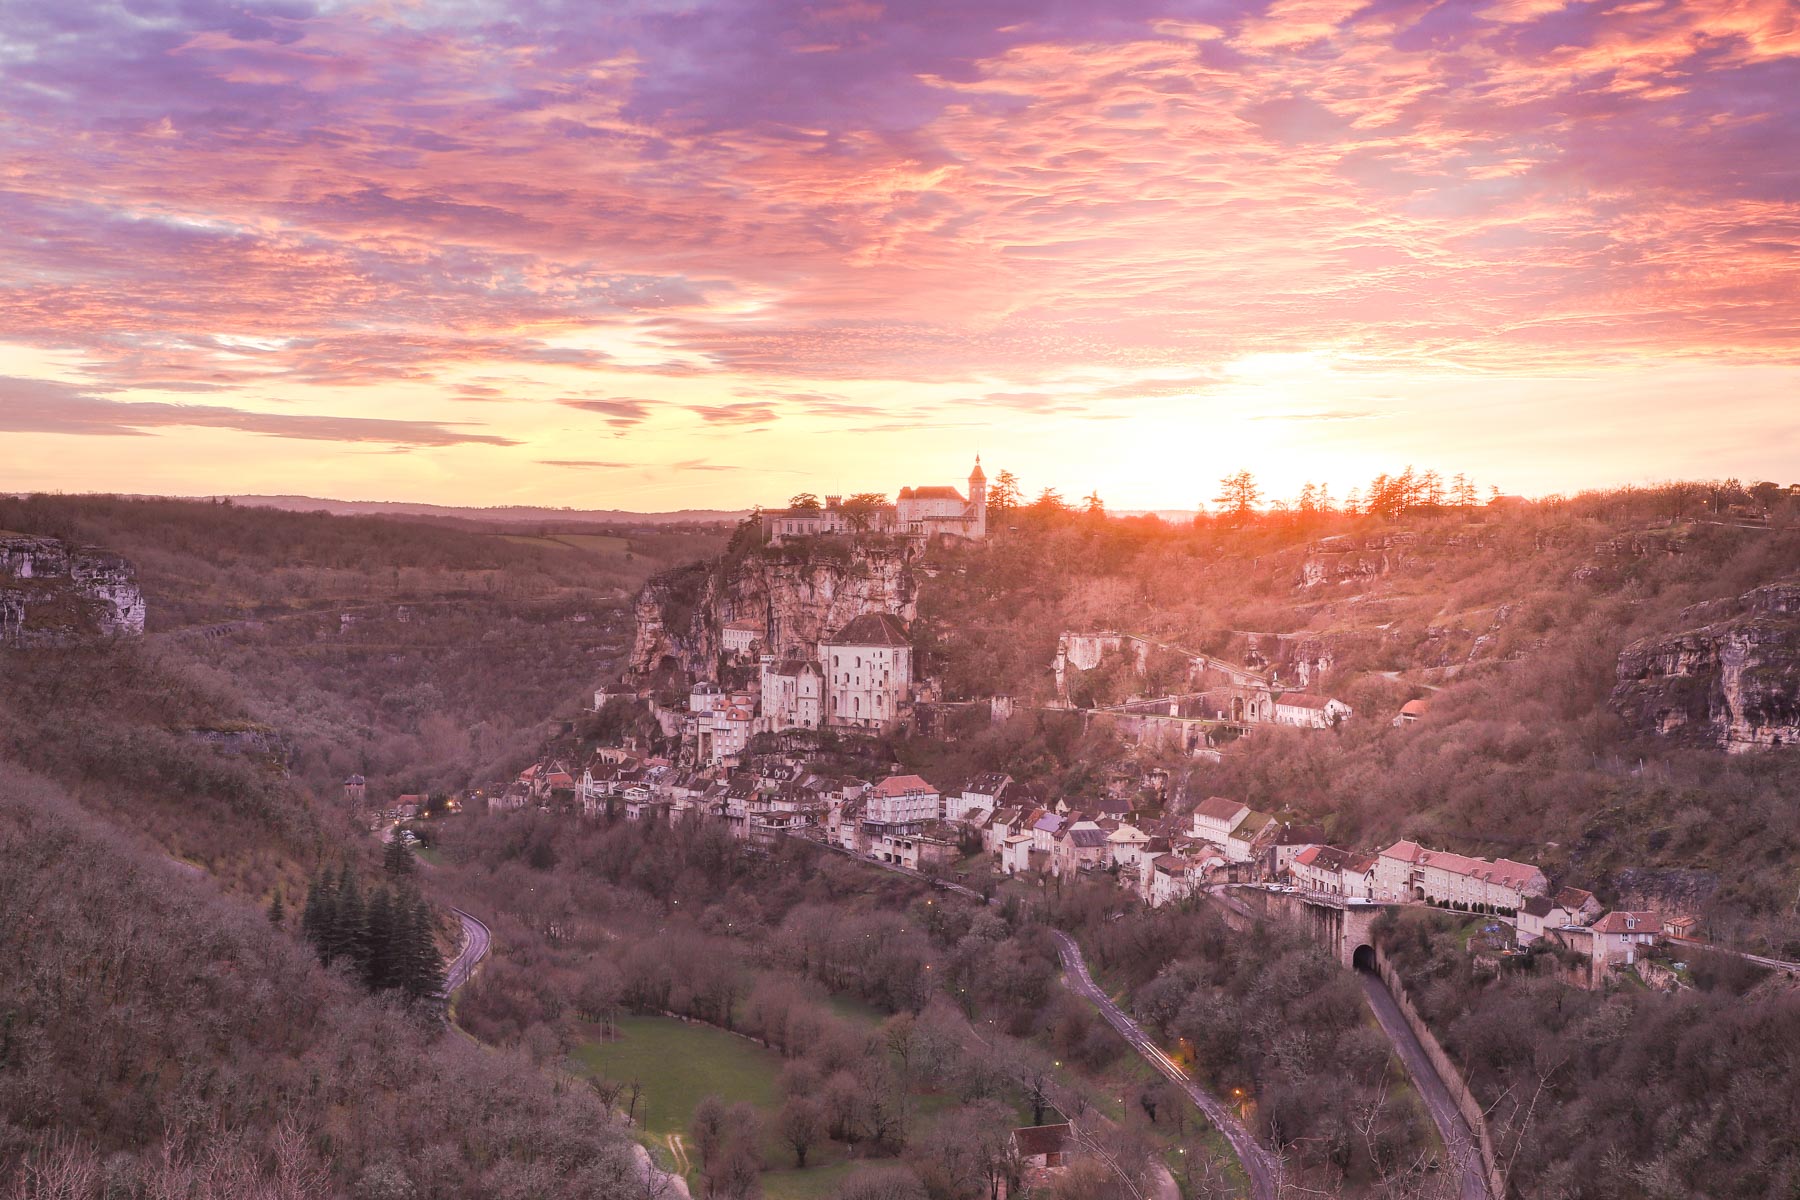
x=54, y=593
x=796, y=596
x=1731, y=678
x=1346, y=559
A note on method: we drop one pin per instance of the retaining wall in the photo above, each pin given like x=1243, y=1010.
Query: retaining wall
x=1453, y=1080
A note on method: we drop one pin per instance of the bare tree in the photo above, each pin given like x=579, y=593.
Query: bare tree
x=802, y=1125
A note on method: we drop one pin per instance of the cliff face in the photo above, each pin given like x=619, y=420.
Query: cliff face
x=1731, y=679
x=797, y=598
x=52, y=593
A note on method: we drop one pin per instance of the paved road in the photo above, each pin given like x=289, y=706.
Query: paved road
x=476, y=940
x=1259, y=1164
x=1459, y=1142
x=947, y=885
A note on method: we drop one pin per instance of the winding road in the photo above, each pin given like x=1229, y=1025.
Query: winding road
x=1259, y=1164
x=477, y=938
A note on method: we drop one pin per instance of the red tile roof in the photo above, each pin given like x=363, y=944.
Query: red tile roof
x=900, y=785
x=1629, y=922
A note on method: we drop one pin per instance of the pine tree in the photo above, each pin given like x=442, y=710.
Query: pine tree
x=422, y=966
x=397, y=860
x=347, y=940
x=379, y=971
x=277, y=910
x=320, y=914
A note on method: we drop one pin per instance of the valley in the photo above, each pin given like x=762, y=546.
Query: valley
x=1031, y=898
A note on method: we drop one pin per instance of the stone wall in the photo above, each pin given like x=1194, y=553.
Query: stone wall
x=1453, y=1080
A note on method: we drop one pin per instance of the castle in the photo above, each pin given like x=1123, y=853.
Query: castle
x=923, y=513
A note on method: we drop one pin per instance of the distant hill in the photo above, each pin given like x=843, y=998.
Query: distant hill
x=500, y=515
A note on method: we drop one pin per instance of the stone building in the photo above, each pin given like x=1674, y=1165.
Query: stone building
x=919, y=512
x=868, y=672
x=793, y=694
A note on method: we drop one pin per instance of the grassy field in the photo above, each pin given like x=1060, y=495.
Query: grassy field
x=680, y=1064
x=591, y=543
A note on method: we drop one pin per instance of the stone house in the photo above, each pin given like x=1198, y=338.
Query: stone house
x=1309, y=711
x=1540, y=914
x=979, y=797
x=1620, y=938
x=1126, y=844
x=1250, y=837
x=740, y=638
x=903, y=799
x=1408, y=871
x=1217, y=817
x=1081, y=845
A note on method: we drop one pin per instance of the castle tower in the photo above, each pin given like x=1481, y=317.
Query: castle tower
x=978, y=499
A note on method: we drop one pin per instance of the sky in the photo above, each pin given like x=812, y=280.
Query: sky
x=654, y=255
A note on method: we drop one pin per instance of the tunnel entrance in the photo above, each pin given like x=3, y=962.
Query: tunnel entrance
x=1364, y=959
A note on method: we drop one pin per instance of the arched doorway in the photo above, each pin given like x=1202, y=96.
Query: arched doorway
x=1237, y=708
x=1363, y=959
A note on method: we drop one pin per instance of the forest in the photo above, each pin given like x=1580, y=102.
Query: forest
x=419, y=654
x=597, y=920
x=1510, y=620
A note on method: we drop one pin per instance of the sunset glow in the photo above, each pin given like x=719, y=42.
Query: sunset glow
x=655, y=255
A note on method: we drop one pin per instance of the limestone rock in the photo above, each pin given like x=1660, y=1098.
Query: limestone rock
x=55, y=593
x=1731, y=679
x=797, y=595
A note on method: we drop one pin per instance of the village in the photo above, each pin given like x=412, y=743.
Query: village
x=753, y=763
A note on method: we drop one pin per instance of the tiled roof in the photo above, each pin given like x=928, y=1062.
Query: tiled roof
x=1629, y=922
x=1574, y=898
x=988, y=783
x=901, y=785
x=1252, y=824
x=1301, y=700
x=1218, y=808
x=872, y=629
x=936, y=493
x=1404, y=851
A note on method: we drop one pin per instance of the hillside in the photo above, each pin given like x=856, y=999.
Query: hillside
x=417, y=654
x=175, y=720
x=1612, y=678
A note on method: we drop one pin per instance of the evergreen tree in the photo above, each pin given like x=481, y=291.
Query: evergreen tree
x=320, y=914
x=277, y=910
x=347, y=940
x=422, y=967
x=381, y=959
x=397, y=860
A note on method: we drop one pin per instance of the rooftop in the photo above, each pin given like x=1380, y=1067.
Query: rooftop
x=1218, y=808
x=872, y=629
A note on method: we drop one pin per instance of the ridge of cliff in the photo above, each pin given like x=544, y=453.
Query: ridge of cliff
x=54, y=592
x=796, y=594
x=1730, y=677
